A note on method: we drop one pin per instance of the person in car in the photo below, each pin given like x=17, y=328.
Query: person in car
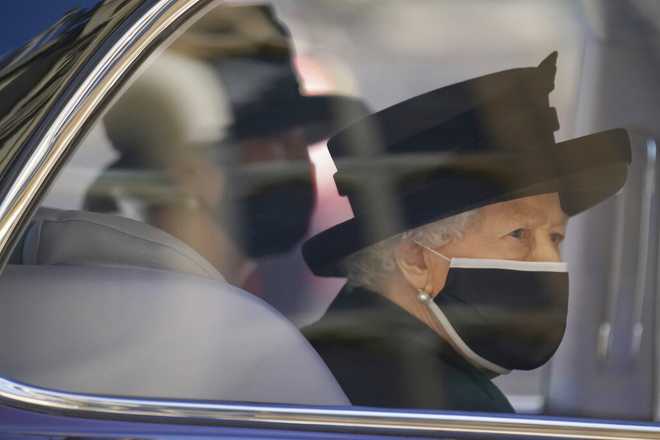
x=223, y=118
x=460, y=199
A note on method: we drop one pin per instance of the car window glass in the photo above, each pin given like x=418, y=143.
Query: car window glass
x=414, y=205
x=34, y=74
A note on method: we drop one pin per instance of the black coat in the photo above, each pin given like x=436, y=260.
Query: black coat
x=384, y=357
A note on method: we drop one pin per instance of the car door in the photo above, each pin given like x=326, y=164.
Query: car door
x=122, y=319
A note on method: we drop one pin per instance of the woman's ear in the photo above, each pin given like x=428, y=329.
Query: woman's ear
x=423, y=270
x=410, y=260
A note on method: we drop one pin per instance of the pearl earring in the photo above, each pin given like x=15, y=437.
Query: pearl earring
x=422, y=296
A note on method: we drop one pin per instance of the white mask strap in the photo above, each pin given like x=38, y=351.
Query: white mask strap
x=489, y=263
x=458, y=342
x=433, y=251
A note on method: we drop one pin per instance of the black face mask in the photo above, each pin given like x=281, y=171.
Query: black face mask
x=269, y=221
x=502, y=314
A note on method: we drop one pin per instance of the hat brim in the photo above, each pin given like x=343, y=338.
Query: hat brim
x=319, y=117
x=584, y=171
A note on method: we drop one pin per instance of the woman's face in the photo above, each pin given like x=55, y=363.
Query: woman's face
x=526, y=229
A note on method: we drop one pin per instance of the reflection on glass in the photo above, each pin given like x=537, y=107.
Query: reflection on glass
x=334, y=160
x=221, y=125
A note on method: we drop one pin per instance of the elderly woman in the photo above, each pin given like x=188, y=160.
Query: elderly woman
x=460, y=198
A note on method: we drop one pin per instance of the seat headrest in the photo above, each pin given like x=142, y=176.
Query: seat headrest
x=144, y=333
x=56, y=236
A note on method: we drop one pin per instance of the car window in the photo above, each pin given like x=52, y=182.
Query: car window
x=33, y=74
x=21, y=23
x=412, y=205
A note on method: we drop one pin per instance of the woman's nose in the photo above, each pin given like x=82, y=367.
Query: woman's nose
x=544, y=249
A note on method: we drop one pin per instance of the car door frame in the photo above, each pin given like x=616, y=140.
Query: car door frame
x=145, y=31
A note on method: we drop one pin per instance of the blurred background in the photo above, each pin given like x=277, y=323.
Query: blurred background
x=337, y=60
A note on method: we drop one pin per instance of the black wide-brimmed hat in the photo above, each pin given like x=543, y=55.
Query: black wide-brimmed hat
x=261, y=82
x=458, y=148
x=280, y=106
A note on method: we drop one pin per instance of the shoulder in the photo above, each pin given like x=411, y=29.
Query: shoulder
x=382, y=356
x=467, y=389
x=374, y=369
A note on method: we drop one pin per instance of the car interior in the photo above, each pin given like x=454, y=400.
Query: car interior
x=117, y=319
x=112, y=303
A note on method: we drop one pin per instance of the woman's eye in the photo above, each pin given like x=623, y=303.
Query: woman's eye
x=557, y=238
x=518, y=234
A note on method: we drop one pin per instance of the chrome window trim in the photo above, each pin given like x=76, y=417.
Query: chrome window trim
x=101, y=81
x=44, y=162
x=316, y=418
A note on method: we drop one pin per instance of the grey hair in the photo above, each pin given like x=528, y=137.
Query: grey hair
x=370, y=266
